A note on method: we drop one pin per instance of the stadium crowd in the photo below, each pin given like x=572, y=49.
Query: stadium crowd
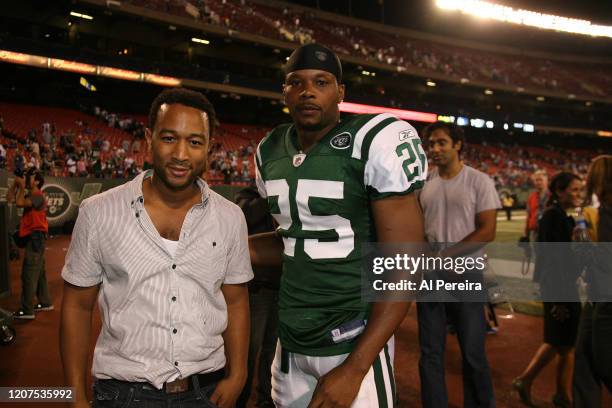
x=84, y=150
x=398, y=50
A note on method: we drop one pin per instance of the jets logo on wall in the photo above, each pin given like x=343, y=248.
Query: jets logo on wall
x=341, y=141
x=406, y=134
x=58, y=200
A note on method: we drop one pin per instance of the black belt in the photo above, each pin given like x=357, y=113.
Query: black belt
x=179, y=385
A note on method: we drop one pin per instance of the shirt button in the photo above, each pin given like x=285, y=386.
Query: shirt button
x=173, y=266
x=174, y=331
x=176, y=363
x=174, y=298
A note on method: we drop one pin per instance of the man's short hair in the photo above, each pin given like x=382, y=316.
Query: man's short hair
x=186, y=97
x=540, y=173
x=38, y=177
x=453, y=131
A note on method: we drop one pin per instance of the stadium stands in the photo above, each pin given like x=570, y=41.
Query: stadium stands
x=231, y=148
x=457, y=63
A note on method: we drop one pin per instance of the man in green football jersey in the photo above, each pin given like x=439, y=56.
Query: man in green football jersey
x=333, y=185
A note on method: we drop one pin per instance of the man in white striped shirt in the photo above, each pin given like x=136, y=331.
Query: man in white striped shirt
x=167, y=259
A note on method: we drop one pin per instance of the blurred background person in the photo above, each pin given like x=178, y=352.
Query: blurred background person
x=593, y=350
x=536, y=204
x=552, y=266
x=27, y=194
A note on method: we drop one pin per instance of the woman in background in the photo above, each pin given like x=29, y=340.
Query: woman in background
x=557, y=278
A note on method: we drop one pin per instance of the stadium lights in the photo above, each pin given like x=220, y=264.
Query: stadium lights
x=477, y=123
x=81, y=15
x=350, y=107
x=488, y=92
x=200, y=40
x=489, y=124
x=368, y=73
x=588, y=103
x=430, y=83
x=447, y=119
x=464, y=80
x=461, y=121
x=541, y=98
x=528, y=127
x=498, y=12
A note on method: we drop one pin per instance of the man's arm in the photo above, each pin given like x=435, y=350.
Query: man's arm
x=236, y=342
x=12, y=191
x=19, y=193
x=75, y=336
x=266, y=249
x=486, y=224
x=398, y=219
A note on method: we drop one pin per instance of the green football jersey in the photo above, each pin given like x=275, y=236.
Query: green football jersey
x=321, y=201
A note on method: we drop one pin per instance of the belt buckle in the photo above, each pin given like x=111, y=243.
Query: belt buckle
x=178, y=385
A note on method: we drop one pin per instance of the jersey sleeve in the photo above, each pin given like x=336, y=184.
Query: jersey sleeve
x=396, y=162
x=261, y=185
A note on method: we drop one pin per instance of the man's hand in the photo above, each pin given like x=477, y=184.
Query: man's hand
x=227, y=392
x=338, y=388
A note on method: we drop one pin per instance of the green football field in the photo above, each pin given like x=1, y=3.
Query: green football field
x=510, y=231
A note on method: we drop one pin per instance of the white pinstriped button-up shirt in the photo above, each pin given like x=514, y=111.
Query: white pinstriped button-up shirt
x=162, y=317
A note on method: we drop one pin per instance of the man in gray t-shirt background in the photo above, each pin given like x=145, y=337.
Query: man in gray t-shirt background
x=460, y=210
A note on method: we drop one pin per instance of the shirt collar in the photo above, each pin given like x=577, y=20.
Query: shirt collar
x=136, y=195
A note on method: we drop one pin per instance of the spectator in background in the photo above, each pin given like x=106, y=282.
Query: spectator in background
x=2, y=156
x=27, y=194
x=82, y=167
x=457, y=192
x=34, y=147
x=536, y=203
x=71, y=165
x=105, y=146
x=97, y=168
x=556, y=272
x=593, y=352
x=136, y=146
x=19, y=161
x=507, y=204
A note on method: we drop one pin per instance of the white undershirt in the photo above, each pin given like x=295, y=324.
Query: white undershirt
x=170, y=246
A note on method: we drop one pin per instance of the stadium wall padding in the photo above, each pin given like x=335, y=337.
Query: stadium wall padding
x=65, y=194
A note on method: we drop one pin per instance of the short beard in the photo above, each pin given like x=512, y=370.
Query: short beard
x=160, y=174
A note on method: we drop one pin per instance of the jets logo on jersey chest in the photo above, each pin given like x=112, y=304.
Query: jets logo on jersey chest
x=298, y=159
x=341, y=141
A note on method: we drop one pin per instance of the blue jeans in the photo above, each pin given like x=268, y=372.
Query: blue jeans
x=469, y=321
x=122, y=394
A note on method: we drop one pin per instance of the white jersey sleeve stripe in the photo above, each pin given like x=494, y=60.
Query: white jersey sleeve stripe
x=364, y=131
